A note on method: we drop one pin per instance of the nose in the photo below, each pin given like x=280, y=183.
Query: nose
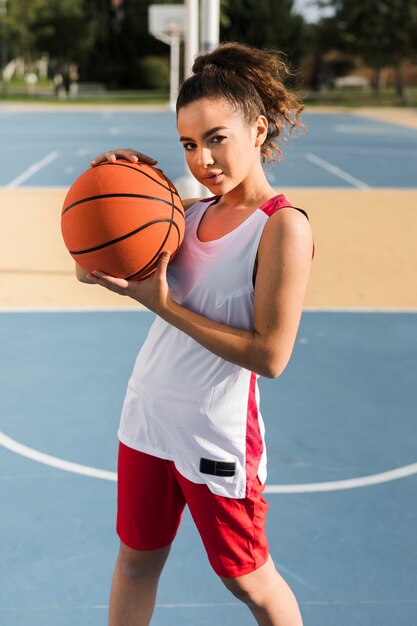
x=205, y=158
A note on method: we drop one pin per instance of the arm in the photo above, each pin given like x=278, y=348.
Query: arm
x=286, y=246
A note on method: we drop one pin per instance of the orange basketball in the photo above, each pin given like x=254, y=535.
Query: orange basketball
x=119, y=216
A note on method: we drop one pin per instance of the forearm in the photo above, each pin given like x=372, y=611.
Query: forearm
x=242, y=347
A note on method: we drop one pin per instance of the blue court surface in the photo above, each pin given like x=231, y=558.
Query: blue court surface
x=342, y=472
x=51, y=148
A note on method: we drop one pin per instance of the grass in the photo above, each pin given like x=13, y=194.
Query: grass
x=347, y=97
x=351, y=97
x=44, y=92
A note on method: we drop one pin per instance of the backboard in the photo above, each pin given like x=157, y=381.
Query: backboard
x=166, y=19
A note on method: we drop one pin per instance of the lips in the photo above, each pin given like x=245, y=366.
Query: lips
x=212, y=177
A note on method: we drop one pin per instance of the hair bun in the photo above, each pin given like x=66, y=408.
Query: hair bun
x=203, y=63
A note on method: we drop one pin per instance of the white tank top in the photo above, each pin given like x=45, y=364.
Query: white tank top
x=183, y=402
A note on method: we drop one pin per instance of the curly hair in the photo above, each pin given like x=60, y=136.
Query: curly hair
x=253, y=81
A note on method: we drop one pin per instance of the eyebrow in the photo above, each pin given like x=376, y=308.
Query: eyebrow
x=206, y=134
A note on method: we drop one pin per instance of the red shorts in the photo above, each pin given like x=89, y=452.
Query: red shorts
x=152, y=495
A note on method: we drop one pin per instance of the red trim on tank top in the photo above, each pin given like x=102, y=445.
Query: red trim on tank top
x=269, y=207
x=254, y=443
x=274, y=204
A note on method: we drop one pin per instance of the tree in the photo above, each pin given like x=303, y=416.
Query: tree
x=120, y=32
x=264, y=24
x=383, y=32
x=107, y=39
x=59, y=28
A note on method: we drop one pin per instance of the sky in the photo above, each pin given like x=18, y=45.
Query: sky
x=310, y=10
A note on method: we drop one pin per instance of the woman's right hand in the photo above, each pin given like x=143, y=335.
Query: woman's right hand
x=123, y=153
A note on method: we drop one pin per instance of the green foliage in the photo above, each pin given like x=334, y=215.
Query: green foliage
x=264, y=24
x=109, y=44
x=380, y=30
x=152, y=73
x=59, y=28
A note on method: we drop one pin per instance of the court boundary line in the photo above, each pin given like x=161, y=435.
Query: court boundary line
x=202, y=605
x=337, y=171
x=32, y=169
x=92, y=472
x=76, y=468
x=140, y=309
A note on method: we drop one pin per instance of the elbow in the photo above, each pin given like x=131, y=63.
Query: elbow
x=273, y=364
x=272, y=368
x=272, y=372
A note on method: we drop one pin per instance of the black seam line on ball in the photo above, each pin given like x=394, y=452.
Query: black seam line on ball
x=144, y=174
x=117, y=195
x=172, y=221
x=154, y=258
x=110, y=243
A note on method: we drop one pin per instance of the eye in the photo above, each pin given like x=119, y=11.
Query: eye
x=188, y=146
x=218, y=139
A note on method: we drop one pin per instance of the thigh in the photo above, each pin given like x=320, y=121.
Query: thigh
x=232, y=530
x=149, y=501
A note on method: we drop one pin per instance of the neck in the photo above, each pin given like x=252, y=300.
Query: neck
x=250, y=193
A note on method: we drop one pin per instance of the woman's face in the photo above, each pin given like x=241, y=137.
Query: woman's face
x=221, y=148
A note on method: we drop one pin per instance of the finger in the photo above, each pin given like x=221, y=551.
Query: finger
x=98, y=159
x=107, y=280
x=163, y=263
x=146, y=159
x=106, y=156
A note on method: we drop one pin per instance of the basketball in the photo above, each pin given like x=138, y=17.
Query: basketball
x=118, y=217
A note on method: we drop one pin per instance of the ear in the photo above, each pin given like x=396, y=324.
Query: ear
x=261, y=130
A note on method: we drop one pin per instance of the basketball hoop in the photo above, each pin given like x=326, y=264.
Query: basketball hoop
x=166, y=23
x=166, y=20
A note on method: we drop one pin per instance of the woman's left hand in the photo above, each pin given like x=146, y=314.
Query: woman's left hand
x=153, y=292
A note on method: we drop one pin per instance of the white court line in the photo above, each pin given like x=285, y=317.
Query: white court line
x=366, y=130
x=53, y=461
x=202, y=605
x=93, y=472
x=350, y=483
x=141, y=309
x=33, y=169
x=336, y=171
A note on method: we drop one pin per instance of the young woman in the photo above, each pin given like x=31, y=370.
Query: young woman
x=228, y=309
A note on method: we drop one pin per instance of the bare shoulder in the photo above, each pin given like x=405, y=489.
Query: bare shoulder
x=188, y=202
x=287, y=224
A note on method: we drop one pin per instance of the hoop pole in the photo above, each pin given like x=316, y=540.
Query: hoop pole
x=210, y=24
x=191, y=35
x=174, y=71
x=187, y=185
